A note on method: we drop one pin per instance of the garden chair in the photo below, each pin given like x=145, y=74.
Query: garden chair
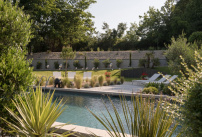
x=87, y=75
x=160, y=80
x=57, y=74
x=151, y=79
x=71, y=75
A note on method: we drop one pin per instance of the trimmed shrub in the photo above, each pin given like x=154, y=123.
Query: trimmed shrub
x=105, y=84
x=86, y=85
x=101, y=80
x=142, y=63
x=42, y=82
x=64, y=64
x=97, y=85
x=93, y=81
x=111, y=83
x=106, y=63
x=38, y=65
x=115, y=80
x=46, y=63
x=108, y=80
x=96, y=63
x=122, y=80
x=155, y=62
x=130, y=60
x=150, y=90
x=118, y=62
x=64, y=82
x=70, y=84
x=78, y=81
x=118, y=82
x=51, y=81
x=76, y=64
x=56, y=65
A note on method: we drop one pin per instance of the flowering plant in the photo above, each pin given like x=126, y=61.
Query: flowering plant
x=107, y=74
x=144, y=75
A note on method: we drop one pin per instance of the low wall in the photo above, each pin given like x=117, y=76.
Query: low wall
x=125, y=63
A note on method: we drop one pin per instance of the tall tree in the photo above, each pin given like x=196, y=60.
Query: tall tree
x=14, y=27
x=58, y=22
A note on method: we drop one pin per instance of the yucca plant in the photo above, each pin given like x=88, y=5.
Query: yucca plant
x=143, y=118
x=37, y=114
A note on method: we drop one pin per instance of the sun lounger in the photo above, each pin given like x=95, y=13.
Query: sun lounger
x=57, y=74
x=170, y=79
x=87, y=75
x=71, y=75
x=151, y=79
x=161, y=80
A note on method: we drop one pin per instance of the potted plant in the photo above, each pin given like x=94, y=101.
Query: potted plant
x=144, y=76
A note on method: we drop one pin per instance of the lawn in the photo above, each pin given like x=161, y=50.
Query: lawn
x=114, y=73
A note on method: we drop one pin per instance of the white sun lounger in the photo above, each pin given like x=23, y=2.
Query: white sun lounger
x=87, y=75
x=57, y=74
x=160, y=80
x=169, y=80
x=71, y=75
x=151, y=79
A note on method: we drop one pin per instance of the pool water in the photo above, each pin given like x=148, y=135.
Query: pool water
x=77, y=104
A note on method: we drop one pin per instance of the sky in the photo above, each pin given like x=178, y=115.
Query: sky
x=114, y=12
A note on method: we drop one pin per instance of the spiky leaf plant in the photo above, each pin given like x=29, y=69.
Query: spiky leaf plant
x=143, y=118
x=37, y=114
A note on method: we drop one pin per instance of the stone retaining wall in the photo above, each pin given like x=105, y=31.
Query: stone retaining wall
x=102, y=55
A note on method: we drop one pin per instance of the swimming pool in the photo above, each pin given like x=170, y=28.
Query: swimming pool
x=77, y=104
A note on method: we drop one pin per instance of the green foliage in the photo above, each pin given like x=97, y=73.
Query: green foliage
x=85, y=60
x=115, y=80
x=65, y=82
x=15, y=76
x=38, y=65
x=86, y=85
x=64, y=64
x=78, y=81
x=111, y=83
x=46, y=63
x=56, y=65
x=188, y=94
x=101, y=80
x=93, y=81
x=15, y=26
x=118, y=62
x=142, y=63
x=96, y=63
x=150, y=90
x=106, y=63
x=196, y=37
x=67, y=53
x=34, y=109
x=179, y=47
x=142, y=118
x=108, y=81
x=130, y=60
x=122, y=80
x=51, y=16
x=51, y=81
x=76, y=64
x=155, y=62
x=97, y=85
